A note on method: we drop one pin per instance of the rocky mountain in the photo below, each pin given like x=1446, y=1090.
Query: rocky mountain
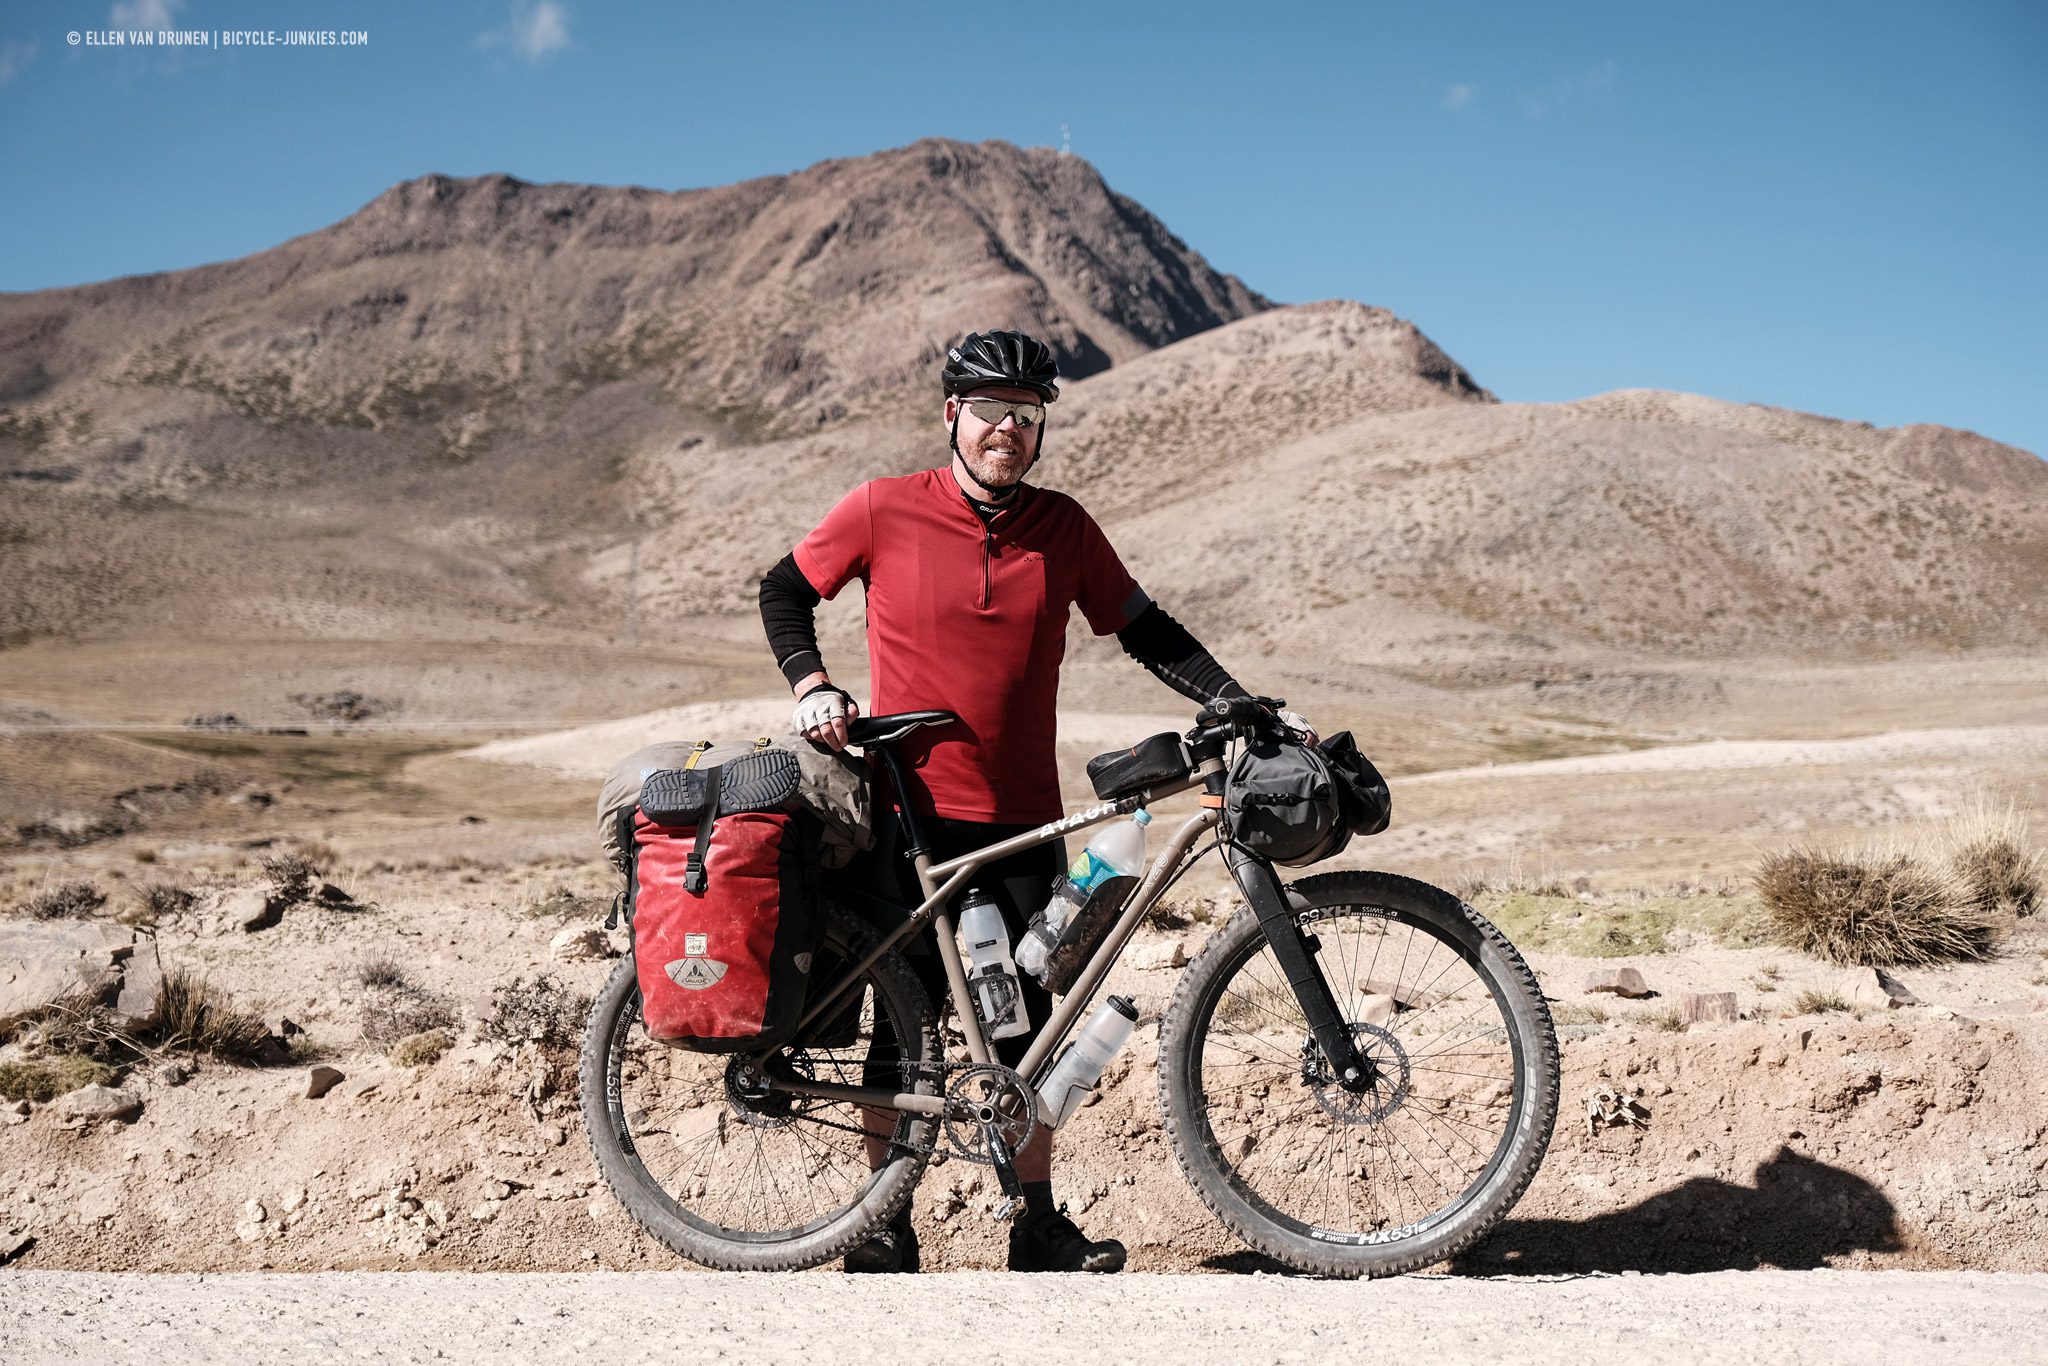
x=483, y=409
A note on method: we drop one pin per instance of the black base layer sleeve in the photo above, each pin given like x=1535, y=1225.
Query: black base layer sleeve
x=789, y=613
x=1175, y=657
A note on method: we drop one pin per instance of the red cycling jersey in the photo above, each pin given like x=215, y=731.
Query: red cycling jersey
x=972, y=619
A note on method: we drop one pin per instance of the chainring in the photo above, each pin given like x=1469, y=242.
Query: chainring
x=983, y=1087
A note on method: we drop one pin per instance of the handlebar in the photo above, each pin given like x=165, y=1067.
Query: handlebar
x=1231, y=718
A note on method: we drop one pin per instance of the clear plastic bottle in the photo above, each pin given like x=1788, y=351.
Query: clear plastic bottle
x=1107, y=868
x=991, y=975
x=1080, y=1067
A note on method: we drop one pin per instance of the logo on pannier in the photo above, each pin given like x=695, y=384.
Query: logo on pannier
x=696, y=945
x=695, y=974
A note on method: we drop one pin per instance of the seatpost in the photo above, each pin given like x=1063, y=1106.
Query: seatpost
x=913, y=827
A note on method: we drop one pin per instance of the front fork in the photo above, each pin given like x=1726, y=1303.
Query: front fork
x=1296, y=953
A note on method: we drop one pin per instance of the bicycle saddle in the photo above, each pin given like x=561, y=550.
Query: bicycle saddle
x=881, y=730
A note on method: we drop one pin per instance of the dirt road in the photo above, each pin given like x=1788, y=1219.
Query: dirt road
x=1756, y=1316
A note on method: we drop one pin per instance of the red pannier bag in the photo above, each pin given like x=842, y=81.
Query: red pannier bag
x=722, y=885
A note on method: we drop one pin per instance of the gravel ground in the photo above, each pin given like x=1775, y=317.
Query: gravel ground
x=1756, y=1316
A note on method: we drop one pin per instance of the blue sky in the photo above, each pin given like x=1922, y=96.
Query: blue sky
x=1840, y=208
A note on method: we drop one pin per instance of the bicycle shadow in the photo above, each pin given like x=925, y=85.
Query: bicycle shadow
x=1799, y=1214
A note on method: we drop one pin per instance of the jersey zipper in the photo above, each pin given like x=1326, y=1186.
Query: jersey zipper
x=988, y=544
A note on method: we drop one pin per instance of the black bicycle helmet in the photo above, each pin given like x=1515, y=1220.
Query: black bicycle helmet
x=1001, y=358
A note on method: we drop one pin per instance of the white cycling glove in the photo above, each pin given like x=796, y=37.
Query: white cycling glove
x=1294, y=720
x=817, y=709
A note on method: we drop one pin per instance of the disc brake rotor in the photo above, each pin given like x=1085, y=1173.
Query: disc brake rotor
x=1374, y=1104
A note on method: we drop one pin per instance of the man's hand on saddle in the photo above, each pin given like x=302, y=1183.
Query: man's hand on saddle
x=823, y=710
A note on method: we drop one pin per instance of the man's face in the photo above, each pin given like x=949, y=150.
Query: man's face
x=996, y=456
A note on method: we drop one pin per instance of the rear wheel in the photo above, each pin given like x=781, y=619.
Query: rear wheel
x=1394, y=1176
x=730, y=1174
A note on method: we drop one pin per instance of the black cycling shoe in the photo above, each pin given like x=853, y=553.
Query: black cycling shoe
x=1051, y=1242
x=892, y=1247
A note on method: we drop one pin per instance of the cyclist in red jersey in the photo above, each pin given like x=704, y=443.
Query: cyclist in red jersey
x=970, y=575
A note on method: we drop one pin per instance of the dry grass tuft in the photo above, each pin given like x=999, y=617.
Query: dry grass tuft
x=1881, y=908
x=291, y=875
x=164, y=900
x=66, y=901
x=382, y=972
x=1989, y=849
x=418, y=1050
x=1819, y=1003
x=396, y=1011
x=544, y=1011
x=197, y=1017
x=44, y=1079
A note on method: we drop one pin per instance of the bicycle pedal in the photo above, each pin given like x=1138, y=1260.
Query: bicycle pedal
x=1007, y=1209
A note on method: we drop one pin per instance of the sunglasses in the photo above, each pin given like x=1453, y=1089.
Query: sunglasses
x=994, y=410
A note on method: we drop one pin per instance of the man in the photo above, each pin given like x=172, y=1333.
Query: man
x=970, y=575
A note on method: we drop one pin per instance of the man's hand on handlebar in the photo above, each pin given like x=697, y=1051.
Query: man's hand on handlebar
x=823, y=710
x=1256, y=716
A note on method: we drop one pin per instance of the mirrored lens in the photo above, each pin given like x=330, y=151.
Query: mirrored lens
x=993, y=411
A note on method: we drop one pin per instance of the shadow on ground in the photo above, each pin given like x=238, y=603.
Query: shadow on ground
x=1800, y=1214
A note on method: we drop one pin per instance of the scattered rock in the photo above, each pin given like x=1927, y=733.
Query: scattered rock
x=99, y=1104
x=1159, y=957
x=1626, y=982
x=322, y=1079
x=1707, y=1007
x=173, y=1074
x=294, y=1199
x=141, y=995
x=484, y=1213
x=46, y=960
x=554, y=1135
x=247, y=909
x=12, y=1245
x=283, y=1026
x=184, y=1145
x=331, y=895
x=1377, y=1010
x=1895, y=991
x=17, y=1112
x=579, y=944
x=497, y=1190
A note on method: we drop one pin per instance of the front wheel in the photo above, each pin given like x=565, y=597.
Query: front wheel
x=1384, y=1178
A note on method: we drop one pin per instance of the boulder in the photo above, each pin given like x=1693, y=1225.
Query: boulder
x=141, y=995
x=98, y=1104
x=1376, y=1010
x=1874, y=989
x=12, y=1245
x=247, y=909
x=580, y=944
x=42, y=961
x=1626, y=982
x=1706, y=1007
x=322, y=1079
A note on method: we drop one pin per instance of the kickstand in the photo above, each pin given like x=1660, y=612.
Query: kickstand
x=1006, y=1174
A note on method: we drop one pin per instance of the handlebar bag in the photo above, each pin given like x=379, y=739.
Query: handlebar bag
x=722, y=886
x=1281, y=803
x=1157, y=758
x=1362, y=796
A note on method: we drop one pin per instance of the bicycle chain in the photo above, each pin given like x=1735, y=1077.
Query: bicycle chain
x=932, y=1071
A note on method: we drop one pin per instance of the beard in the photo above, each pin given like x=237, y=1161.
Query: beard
x=997, y=462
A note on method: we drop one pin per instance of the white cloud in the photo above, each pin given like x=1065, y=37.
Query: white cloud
x=1567, y=90
x=153, y=14
x=13, y=57
x=535, y=30
x=1458, y=96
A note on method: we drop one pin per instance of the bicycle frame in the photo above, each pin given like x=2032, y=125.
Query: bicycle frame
x=942, y=881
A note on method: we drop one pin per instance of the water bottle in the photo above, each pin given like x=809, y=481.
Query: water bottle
x=1102, y=876
x=991, y=975
x=1080, y=1067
